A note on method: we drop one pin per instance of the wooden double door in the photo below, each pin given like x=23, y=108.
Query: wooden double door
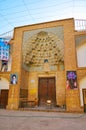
x=47, y=91
x=3, y=98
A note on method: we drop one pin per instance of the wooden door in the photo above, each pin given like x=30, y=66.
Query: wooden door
x=47, y=91
x=3, y=98
x=84, y=99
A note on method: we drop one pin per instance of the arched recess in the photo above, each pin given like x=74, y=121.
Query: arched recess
x=81, y=54
x=41, y=47
x=4, y=90
x=82, y=86
x=4, y=83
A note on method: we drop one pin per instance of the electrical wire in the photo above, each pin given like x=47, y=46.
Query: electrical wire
x=26, y=13
x=28, y=10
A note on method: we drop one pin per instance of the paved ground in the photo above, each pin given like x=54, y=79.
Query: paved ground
x=30, y=120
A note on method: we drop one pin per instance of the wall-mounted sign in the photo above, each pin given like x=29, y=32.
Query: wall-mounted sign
x=32, y=81
x=71, y=78
x=13, y=78
x=4, y=50
x=4, y=54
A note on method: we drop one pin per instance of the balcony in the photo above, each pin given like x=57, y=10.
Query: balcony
x=7, y=35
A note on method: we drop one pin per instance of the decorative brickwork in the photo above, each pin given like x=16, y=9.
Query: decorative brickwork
x=45, y=50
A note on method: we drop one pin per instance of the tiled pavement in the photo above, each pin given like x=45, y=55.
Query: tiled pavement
x=38, y=120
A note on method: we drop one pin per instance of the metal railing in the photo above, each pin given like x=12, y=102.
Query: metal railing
x=80, y=24
x=7, y=35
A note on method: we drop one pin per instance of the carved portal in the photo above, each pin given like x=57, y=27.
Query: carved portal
x=41, y=46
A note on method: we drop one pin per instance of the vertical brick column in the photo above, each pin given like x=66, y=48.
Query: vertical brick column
x=13, y=99
x=72, y=95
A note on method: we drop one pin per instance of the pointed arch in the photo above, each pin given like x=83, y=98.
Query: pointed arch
x=81, y=54
x=4, y=83
x=82, y=86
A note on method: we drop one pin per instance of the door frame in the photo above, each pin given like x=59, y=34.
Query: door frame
x=47, y=77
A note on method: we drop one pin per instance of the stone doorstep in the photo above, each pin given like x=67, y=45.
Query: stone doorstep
x=46, y=109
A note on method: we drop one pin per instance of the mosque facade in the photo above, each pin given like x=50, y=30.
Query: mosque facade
x=46, y=65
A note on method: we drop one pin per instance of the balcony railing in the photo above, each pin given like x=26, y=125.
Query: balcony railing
x=8, y=35
x=80, y=24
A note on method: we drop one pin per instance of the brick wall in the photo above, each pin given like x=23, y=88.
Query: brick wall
x=24, y=79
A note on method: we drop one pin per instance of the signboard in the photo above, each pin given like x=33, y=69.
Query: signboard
x=4, y=50
x=71, y=78
x=13, y=78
